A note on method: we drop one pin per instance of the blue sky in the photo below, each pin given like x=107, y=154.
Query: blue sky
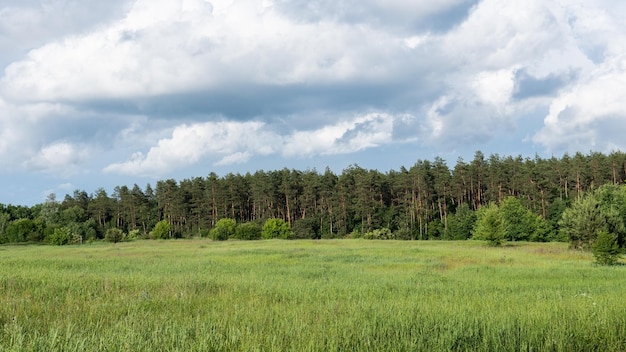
x=105, y=93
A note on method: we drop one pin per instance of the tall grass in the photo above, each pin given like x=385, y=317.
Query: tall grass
x=309, y=296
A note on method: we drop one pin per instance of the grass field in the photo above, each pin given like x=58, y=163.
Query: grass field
x=341, y=295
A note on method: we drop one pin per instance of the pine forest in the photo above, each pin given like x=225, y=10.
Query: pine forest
x=429, y=200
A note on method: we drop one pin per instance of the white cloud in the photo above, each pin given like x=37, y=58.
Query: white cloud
x=236, y=142
x=545, y=39
x=189, y=144
x=344, y=137
x=494, y=88
x=164, y=47
x=500, y=32
x=29, y=24
x=60, y=158
x=591, y=115
x=235, y=158
x=415, y=41
x=131, y=82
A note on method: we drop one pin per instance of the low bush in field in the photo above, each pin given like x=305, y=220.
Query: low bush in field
x=379, y=234
x=223, y=229
x=605, y=249
x=248, y=231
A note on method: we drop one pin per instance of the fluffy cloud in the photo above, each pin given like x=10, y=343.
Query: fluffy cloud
x=189, y=81
x=236, y=142
x=27, y=24
x=59, y=157
x=591, y=115
x=166, y=47
x=189, y=144
x=23, y=145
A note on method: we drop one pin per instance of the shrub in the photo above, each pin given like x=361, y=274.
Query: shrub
x=305, y=229
x=276, y=228
x=161, y=230
x=248, y=231
x=132, y=235
x=489, y=226
x=355, y=234
x=379, y=234
x=403, y=233
x=223, y=229
x=605, y=249
x=114, y=235
x=61, y=236
x=460, y=223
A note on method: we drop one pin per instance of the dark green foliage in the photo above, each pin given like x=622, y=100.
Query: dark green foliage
x=305, y=229
x=114, y=235
x=276, y=228
x=605, y=249
x=612, y=200
x=519, y=222
x=161, y=230
x=461, y=223
x=73, y=214
x=429, y=200
x=223, y=230
x=555, y=212
x=248, y=231
x=602, y=210
x=89, y=229
x=5, y=221
x=543, y=231
x=403, y=234
x=581, y=222
x=22, y=230
x=435, y=230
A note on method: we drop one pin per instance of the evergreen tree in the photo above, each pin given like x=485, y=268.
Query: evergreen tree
x=461, y=223
x=489, y=225
x=605, y=249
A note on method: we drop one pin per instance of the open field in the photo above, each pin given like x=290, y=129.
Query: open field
x=341, y=295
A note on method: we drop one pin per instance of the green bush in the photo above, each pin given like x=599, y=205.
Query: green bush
x=489, y=226
x=61, y=236
x=403, y=233
x=224, y=229
x=605, y=249
x=355, y=234
x=379, y=234
x=248, y=231
x=132, y=235
x=114, y=235
x=276, y=228
x=22, y=230
x=161, y=230
x=460, y=224
x=305, y=229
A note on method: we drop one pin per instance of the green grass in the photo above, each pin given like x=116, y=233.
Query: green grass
x=341, y=295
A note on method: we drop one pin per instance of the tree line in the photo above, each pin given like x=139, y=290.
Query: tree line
x=429, y=200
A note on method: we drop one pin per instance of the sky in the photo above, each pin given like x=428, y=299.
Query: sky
x=121, y=92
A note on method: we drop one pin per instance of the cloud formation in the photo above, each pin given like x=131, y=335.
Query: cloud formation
x=236, y=142
x=144, y=87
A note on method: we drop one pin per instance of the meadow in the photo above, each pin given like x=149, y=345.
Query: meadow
x=329, y=295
